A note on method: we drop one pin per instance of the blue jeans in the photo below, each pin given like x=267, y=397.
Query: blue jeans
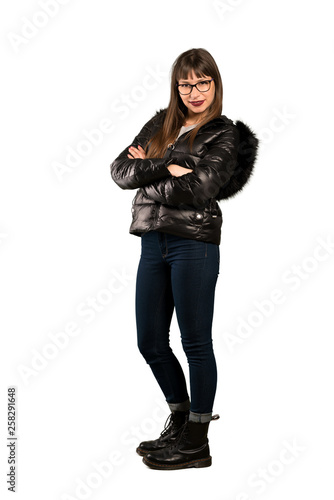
x=178, y=273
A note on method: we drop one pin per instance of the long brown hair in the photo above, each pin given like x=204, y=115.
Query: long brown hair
x=202, y=63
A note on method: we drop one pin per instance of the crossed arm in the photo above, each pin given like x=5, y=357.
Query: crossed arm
x=133, y=171
x=175, y=170
x=163, y=181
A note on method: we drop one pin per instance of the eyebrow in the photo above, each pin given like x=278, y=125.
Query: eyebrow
x=187, y=81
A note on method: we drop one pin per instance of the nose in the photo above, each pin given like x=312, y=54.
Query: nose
x=193, y=94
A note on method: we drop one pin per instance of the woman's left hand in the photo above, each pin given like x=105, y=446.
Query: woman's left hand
x=137, y=153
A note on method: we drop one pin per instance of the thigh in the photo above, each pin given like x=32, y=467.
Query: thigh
x=195, y=270
x=154, y=298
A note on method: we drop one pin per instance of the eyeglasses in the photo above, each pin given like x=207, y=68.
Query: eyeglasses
x=186, y=88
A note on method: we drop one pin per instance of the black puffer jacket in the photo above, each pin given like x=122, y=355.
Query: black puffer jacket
x=222, y=160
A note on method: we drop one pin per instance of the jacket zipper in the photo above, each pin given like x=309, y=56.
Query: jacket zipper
x=170, y=148
x=171, y=145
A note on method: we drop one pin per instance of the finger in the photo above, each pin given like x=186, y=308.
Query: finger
x=142, y=153
x=133, y=151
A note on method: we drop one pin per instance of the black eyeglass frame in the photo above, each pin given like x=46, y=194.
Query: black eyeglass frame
x=194, y=85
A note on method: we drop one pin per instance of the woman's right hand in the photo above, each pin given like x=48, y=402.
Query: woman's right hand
x=178, y=171
x=136, y=153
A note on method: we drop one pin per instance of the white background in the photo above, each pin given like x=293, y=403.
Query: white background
x=64, y=240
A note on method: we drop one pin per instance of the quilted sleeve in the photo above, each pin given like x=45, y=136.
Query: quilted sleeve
x=131, y=173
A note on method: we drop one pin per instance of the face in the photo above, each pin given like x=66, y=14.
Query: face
x=197, y=102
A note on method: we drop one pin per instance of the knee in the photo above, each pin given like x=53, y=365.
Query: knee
x=198, y=351
x=153, y=354
x=145, y=349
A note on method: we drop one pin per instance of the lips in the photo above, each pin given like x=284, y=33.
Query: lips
x=196, y=103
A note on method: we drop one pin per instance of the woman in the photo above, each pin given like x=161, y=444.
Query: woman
x=184, y=159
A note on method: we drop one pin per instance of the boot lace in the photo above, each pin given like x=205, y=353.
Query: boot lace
x=184, y=433
x=181, y=437
x=170, y=426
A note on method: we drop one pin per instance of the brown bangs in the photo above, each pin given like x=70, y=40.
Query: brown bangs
x=184, y=72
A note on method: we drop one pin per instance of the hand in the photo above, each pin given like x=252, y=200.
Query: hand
x=137, y=153
x=178, y=171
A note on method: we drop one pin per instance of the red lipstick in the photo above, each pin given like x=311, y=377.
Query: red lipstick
x=196, y=103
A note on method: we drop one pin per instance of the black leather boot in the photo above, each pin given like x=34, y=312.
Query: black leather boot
x=173, y=426
x=190, y=449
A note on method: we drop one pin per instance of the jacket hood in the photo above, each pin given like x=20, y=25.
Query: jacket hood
x=246, y=158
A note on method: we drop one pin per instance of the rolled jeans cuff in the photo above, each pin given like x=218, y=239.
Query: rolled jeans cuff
x=200, y=417
x=184, y=406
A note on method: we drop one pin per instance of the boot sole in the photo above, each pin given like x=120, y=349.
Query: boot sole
x=141, y=452
x=202, y=462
